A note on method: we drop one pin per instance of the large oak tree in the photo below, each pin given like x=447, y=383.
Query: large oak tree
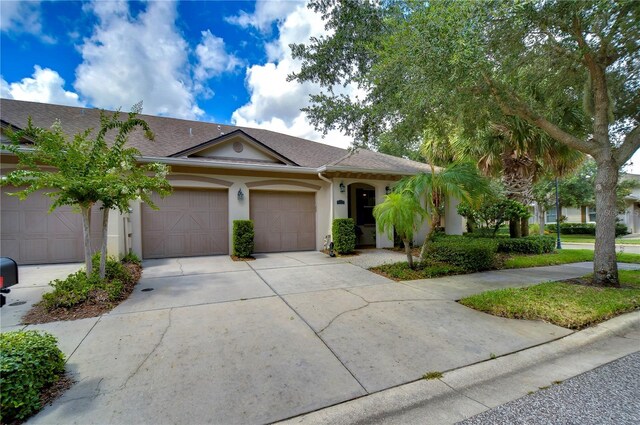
x=422, y=64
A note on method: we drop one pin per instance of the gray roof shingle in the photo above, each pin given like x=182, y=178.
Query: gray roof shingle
x=175, y=135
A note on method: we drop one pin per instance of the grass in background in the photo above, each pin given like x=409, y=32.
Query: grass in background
x=568, y=305
x=592, y=239
x=562, y=256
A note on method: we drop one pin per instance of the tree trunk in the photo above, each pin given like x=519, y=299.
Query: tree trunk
x=86, y=232
x=605, y=266
x=432, y=231
x=524, y=227
x=541, y=219
x=514, y=228
x=407, y=250
x=103, y=247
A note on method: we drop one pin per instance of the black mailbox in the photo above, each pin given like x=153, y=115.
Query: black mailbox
x=8, y=277
x=9, y=272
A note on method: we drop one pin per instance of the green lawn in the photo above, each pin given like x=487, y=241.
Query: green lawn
x=562, y=256
x=563, y=304
x=592, y=239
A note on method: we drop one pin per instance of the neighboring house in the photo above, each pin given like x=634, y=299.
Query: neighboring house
x=587, y=214
x=292, y=188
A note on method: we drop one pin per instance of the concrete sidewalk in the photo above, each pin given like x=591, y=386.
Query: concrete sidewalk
x=467, y=391
x=216, y=341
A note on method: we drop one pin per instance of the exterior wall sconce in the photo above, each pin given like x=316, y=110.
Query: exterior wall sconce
x=342, y=187
x=240, y=195
x=387, y=190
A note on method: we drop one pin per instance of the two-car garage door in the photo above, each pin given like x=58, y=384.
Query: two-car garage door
x=195, y=222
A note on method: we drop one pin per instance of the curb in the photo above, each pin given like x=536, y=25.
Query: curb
x=470, y=390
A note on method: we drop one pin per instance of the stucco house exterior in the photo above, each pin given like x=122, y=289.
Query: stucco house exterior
x=291, y=187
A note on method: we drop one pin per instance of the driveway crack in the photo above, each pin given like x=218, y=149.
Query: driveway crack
x=180, y=264
x=150, y=353
x=344, y=312
x=310, y=328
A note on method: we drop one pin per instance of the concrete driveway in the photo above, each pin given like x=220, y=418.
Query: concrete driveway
x=209, y=340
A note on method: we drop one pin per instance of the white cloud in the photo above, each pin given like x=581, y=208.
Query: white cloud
x=265, y=14
x=45, y=86
x=275, y=103
x=213, y=58
x=18, y=17
x=131, y=59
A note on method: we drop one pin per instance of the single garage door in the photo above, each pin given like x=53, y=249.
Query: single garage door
x=284, y=221
x=188, y=223
x=30, y=235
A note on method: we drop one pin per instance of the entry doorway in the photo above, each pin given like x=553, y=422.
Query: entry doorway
x=362, y=200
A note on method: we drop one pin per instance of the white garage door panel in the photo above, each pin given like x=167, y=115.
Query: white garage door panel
x=32, y=235
x=283, y=221
x=188, y=223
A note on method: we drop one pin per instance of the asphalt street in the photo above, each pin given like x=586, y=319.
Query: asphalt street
x=609, y=394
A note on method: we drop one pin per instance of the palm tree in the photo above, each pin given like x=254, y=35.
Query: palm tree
x=402, y=212
x=513, y=151
x=460, y=180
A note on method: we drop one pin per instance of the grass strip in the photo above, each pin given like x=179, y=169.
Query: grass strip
x=569, y=305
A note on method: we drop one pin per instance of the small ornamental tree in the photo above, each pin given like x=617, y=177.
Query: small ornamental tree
x=402, y=212
x=83, y=171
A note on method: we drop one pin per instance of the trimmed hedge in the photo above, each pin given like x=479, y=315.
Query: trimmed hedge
x=243, y=234
x=527, y=245
x=584, y=229
x=344, y=235
x=29, y=362
x=470, y=254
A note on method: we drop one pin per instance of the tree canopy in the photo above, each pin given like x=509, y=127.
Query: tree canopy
x=83, y=171
x=569, y=69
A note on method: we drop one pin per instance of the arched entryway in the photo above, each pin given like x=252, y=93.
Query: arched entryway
x=361, y=200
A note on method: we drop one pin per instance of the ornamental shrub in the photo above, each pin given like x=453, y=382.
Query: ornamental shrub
x=71, y=291
x=344, y=235
x=243, y=235
x=470, y=254
x=527, y=245
x=584, y=229
x=29, y=362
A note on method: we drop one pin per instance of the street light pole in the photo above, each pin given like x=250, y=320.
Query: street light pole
x=558, y=243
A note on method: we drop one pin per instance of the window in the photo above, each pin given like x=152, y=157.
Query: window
x=591, y=214
x=550, y=215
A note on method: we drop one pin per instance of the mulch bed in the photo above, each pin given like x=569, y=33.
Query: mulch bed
x=236, y=258
x=353, y=254
x=49, y=394
x=97, y=304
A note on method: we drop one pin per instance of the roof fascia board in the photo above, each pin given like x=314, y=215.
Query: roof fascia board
x=233, y=165
x=366, y=170
x=225, y=137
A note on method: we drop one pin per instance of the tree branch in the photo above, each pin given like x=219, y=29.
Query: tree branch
x=628, y=147
x=523, y=111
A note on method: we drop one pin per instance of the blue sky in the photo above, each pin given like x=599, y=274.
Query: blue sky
x=220, y=61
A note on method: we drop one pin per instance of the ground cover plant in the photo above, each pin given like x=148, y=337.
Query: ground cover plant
x=80, y=296
x=30, y=365
x=432, y=267
x=573, y=303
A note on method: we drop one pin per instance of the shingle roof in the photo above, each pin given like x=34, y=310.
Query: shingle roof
x=175, y=135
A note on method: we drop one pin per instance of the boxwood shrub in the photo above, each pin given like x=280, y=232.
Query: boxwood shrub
x=470, y=254
x=29, y=362
x=527, y=245
x=243, y=234
x=344, y=235
x=584, y=229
